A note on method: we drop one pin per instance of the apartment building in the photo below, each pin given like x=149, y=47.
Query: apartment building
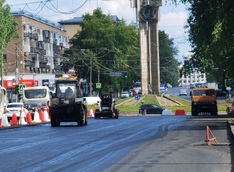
x=39, y=48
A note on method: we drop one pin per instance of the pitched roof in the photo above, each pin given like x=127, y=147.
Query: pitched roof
x=37, y=18
x=78, y=20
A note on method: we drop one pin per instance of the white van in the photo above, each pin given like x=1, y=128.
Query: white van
x=36, y=97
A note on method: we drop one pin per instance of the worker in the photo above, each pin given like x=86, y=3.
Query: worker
x=69, y=93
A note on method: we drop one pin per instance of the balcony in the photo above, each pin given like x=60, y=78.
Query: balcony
x=40, y=51
x=32, y=64
x=42, y=65
x=47, y=66
x=35, y=36
x=57, y=67
x=27, y=63
x=27, y=34
x=55, y=41
x=43, y=60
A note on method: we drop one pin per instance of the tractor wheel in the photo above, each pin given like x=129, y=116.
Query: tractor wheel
x=194, y=113
x=54, y=122
x=84, y=120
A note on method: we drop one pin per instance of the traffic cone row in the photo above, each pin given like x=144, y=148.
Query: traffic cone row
x=25, y=119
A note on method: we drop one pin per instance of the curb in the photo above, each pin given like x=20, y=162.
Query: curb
x=19, y=126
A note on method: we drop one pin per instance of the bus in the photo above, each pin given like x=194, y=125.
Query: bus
x=36, y=97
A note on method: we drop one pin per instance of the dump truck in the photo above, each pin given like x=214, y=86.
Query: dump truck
x=67, y=103
x=203, y=100
x=106, y=107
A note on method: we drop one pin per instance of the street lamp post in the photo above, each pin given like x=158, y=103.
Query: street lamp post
x=90, y=77
x=17, y=68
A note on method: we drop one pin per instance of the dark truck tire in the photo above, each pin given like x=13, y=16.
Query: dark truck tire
x=214, y=113
x=84, y=120
x=194, y=113
x=54, y=122
x=116, y=113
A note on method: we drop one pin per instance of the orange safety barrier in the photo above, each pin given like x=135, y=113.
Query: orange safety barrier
x=29, y=118
x=180, y=112
x=208, y=139
x=91, y=113
x=88, y=113
x=1, y=126
x=14, y=120
x=42, y=117
x=46, y=108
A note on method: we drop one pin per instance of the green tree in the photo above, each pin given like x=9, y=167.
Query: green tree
x=169, y=72
x=210, y=27
x=105, y=45
x=8, y=28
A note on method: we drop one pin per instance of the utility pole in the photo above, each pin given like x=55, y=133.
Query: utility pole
x=90, y=77
x=17, y=68
x=98, y=76
x=2, y=82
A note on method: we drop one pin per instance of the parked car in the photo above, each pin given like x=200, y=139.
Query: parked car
x=124, y=94
x=168, y=85
x=163, y=90
x=151, y=109
x=14, y=108
x=220, y=93
x=183, y=92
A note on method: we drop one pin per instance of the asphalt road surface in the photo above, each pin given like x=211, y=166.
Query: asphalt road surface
x=133, y=143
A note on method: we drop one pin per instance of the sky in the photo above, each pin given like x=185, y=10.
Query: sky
x=172, y=18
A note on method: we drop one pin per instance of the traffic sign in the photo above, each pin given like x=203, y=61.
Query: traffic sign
x=137, y=97
x=98, y=85
x=21, y=87
x=115, y=74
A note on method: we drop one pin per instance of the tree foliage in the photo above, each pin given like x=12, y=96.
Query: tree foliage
x=211, y=33
x=169, y=71
x=105, y=44
x=7, y=26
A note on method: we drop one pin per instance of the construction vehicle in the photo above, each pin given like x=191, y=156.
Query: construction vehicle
x=106, y=107
x=203, y=100
x=67, y=103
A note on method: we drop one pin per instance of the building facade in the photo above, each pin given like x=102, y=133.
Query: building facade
x=39, y=48
x=194, y=78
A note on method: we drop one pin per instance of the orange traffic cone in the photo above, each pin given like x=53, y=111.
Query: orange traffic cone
x=42, y=117
x=88, y=111
x=208, y=139
x=1, y=126
x=36, y=116
x=4, y=122
x=47, y=109
x=29, y=118
x=46, y=115
x=14, y=120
